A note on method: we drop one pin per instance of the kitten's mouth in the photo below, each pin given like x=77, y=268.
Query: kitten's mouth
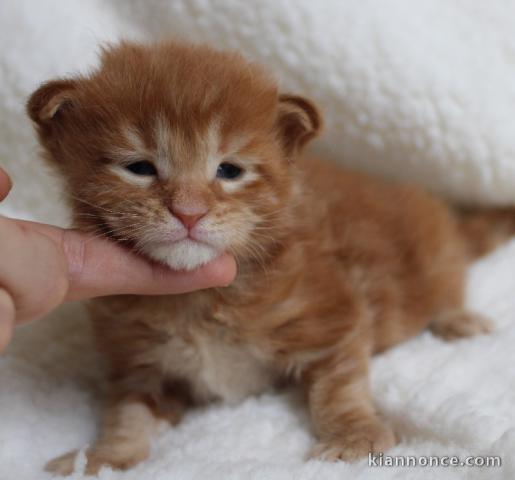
x=181, y=236
x=190, y=237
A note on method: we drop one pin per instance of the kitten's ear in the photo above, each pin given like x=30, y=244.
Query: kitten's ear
x=49, y=99
x=298, y=122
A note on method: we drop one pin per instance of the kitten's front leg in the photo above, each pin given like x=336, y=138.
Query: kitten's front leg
x=341, y=407
x=126, y=430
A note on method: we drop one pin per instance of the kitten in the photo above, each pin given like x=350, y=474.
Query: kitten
x=182, y=152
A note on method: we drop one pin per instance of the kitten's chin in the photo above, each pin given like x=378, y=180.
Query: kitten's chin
x=182, y=255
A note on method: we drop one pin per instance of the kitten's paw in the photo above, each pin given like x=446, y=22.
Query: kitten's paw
x=63, y=465
x=460, y=324
x=115, y=458
x=354, y=445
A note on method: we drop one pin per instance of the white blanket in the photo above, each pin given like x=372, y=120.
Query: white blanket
x=421, y=90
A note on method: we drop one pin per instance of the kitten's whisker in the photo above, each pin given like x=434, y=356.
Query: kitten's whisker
x=100, y=207
x=115, y=232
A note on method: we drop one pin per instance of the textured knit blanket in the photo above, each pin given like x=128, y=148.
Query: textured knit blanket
x=421, y=91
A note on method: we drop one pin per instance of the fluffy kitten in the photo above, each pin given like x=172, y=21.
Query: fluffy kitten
x=183, y=152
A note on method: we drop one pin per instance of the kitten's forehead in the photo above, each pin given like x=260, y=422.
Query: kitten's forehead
x=189, y=85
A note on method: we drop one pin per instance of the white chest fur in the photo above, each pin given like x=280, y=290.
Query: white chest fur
x=215, y=367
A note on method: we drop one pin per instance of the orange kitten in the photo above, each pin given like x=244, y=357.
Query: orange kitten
x=183, y=152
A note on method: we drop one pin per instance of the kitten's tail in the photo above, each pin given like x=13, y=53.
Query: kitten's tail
x=486, y=229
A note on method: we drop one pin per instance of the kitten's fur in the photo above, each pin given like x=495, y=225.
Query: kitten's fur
x=333, y=266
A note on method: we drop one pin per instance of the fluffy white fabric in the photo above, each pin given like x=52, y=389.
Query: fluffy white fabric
x=413, y=90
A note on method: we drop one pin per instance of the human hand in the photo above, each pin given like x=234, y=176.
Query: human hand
x=42, y=266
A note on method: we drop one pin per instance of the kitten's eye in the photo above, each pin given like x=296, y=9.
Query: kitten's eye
x=228, y=171
x=143, y=167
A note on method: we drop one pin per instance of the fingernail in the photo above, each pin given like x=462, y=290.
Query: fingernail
x=8, y=178
x=6, y=319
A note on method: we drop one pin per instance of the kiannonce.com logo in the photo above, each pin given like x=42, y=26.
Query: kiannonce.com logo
x=381, y=460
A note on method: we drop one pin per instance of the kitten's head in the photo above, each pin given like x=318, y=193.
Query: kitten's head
x=182, y=151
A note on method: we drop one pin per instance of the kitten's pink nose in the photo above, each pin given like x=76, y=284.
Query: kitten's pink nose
x=189, y=220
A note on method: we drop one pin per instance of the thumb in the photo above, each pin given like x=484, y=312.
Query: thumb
x=99, y=267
